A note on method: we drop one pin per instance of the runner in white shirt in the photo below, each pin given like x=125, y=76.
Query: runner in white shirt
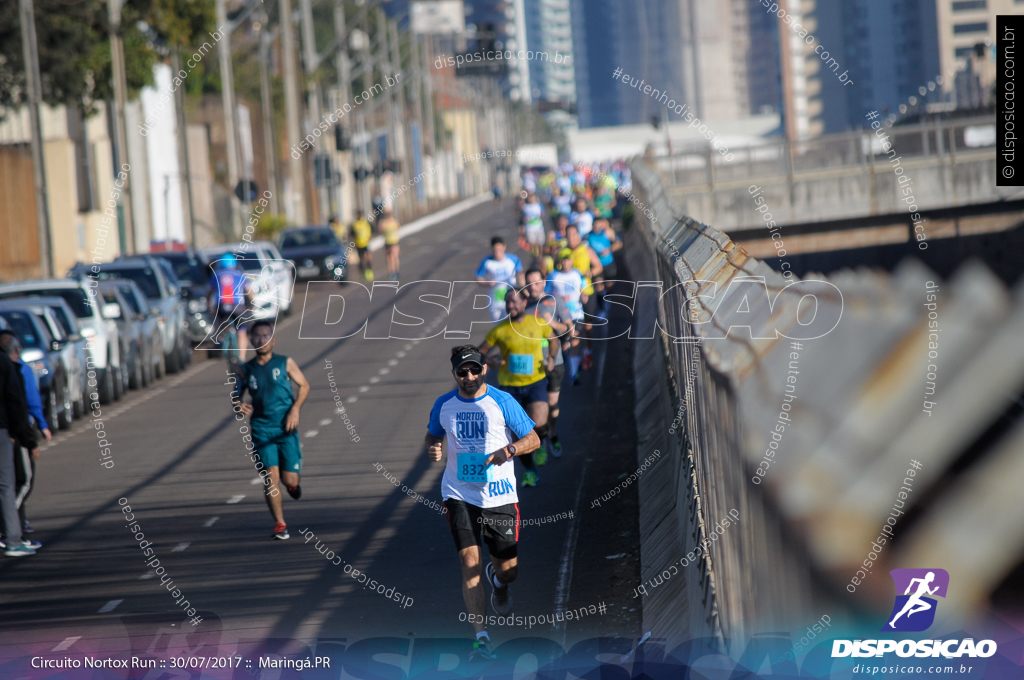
x=485, y=428
x=582, y=218
x=567, y=284
x=500, y=271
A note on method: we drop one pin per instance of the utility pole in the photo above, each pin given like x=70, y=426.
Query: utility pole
x=344, y=70
x=227, y=87
x=120, y=97
x=268, y=113
x=310, y=62
x=417, y=96
x=401, y=138
x=186, y=172
x=28, y=43
x=296, y=178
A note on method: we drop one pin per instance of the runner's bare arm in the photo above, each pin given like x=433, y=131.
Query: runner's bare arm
x=595, y=263
x=493, y=362
x=527, y=444
x=291, y=421
x=433, y=446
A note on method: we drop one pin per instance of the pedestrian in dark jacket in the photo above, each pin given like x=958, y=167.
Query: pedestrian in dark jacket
x=14, y=425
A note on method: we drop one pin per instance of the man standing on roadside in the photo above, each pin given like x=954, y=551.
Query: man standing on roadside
x=274, y=417
x=14, y=424
x=24, y=464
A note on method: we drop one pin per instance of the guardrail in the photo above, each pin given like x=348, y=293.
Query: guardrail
x=868, y=398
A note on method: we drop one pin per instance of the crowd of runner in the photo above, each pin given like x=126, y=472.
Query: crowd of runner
x=544, y=316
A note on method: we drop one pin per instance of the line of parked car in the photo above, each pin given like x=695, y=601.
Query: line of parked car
x=139, y=317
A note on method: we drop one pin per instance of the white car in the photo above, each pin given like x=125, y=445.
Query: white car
x=96, y=321
x=272, y=278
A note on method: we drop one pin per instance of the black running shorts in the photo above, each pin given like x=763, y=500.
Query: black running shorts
x=555, y=376
x=497, y=527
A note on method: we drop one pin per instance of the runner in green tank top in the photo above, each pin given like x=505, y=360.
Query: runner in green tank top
x=274, y=417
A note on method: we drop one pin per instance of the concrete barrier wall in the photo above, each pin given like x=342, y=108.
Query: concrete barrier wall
x=807, y=524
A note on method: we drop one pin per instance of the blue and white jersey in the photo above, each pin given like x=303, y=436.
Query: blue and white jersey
x=476, y=428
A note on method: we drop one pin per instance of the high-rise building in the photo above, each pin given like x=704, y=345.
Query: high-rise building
x=549, y=37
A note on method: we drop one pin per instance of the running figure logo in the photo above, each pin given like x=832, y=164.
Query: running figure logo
x=913, y=611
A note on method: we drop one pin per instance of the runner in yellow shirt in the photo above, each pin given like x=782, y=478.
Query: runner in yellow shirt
x=388, y=227
x=361, y=232
x=522, y=337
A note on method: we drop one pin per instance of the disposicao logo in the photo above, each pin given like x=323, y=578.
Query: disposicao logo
x=913, y=612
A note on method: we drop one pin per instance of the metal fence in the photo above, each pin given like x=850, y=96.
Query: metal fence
x=868, y=398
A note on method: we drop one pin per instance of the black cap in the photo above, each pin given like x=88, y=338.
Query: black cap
x=467, y=357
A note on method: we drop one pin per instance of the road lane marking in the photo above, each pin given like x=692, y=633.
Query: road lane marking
x=149, y=574
x=210, y=522
x=181, y=546
x=109, y=607
x=393, y=362
x=67, y=643
x=325, y=421
x=364, y=388
x=312, y=433
x=236, y=498
x=402, y=354
x=351, y=400
x=375, y=379
x=384, y=371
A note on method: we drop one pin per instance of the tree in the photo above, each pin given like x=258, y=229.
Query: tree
x=74, y=53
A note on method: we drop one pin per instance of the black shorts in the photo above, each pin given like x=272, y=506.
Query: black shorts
x=472, y=525
x=555, y=376
x=362, y=250
x=609, y=271
x=590, y=307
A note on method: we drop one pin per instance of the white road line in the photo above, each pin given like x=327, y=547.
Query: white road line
x=149, y=574
x=393, y=362
x=67, y=642
x=325, y=421
x=109, y=607
x=210, y=522
x=181, y=546
x=408, y=347
x=384, y=371
x=256, y=480
x=312, y=433
x=352, y=400
x=374, y=380
x=234, y=499
x=401, y=354
x=364, y=388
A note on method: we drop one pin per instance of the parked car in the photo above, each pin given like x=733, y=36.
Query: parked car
x=42, y=352
x=148, y=316
x=270, y=295
x=316, y=252
x=161, y=292
x=99, y=330
x=64, y=327
x=172, y=278
x=134, y=347
x=76, y=343
x=284, y=275
x=192, y=270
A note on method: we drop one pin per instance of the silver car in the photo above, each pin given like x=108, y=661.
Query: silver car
x=74, y=350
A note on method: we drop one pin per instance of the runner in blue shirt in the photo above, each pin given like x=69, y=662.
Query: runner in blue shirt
x=485, y=428
x=500, y=271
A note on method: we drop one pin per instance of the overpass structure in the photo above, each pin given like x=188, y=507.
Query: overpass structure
x=903, y=424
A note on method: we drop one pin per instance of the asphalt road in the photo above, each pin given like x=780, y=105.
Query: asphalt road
x=181, y=464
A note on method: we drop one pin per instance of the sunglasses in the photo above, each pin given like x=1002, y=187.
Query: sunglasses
x=463, y=372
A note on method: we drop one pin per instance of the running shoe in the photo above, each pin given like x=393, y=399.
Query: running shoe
x=294, y=491
x=368, y=275
x=501, y=598
x=281, y=531
x=27, y=529
x=540, y=456
x=19, y=551
x=482, y=649
x=529, y=478
x=556, y=447
x=35, y=545
x=3, y=543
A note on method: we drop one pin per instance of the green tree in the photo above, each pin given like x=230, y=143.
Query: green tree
x=74, y=53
